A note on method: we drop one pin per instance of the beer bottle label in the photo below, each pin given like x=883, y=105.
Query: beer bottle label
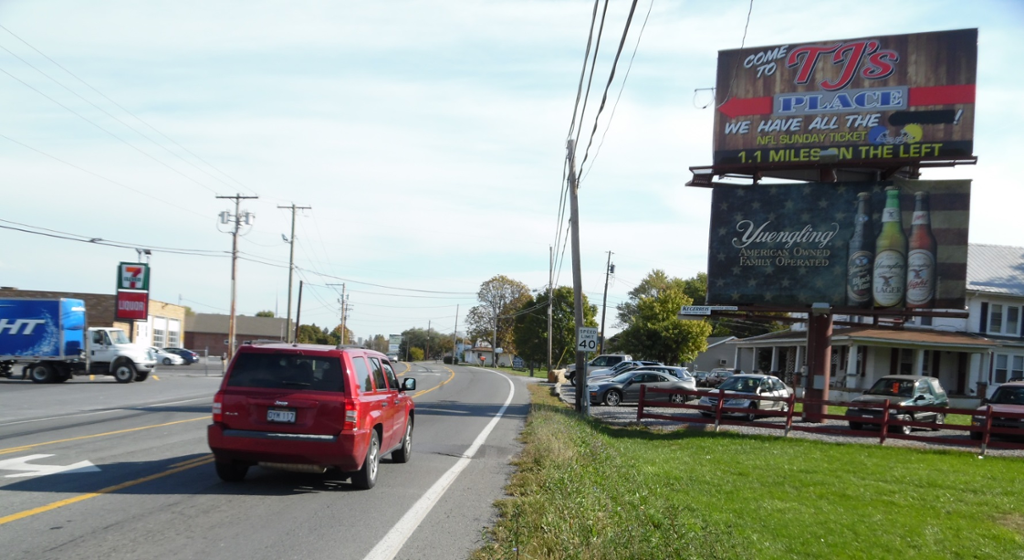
x=858, y=278
x=890, y=278
x=920, y=219
x=890, y=214
x=920, y=277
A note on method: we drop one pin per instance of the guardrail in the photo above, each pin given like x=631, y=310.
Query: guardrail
x=980, y=430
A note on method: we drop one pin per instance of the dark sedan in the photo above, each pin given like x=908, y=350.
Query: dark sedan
x=189, y=356
x=626, y=387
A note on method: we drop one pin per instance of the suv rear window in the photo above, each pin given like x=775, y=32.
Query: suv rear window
x=287, y=371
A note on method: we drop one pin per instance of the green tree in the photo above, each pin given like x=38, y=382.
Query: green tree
x=656, y=332
x=500, y=297
x=531, y=326
x=416, y=354
x=265, y=314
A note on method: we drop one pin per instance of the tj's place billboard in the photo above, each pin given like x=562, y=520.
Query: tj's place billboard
x=899, y=97
x=886, y=245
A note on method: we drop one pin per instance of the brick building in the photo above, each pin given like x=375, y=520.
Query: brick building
x=207, y=333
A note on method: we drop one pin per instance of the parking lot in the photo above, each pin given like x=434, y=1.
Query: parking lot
x=625, y=415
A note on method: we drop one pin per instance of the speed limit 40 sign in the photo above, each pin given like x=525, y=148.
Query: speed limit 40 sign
x=586, y=339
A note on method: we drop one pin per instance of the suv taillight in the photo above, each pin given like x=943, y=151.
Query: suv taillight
x=351, y=416
x=218, y=403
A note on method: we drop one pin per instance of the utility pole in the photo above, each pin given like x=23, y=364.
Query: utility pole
x=551, y=280
x=238, y=217
x=494, y=341
x=455, y=335
x=342, y=300
x=609, y=269
x=582, y=404
x=291, y=261
x=298, y=312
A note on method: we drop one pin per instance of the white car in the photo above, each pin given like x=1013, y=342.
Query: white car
x=166, y=358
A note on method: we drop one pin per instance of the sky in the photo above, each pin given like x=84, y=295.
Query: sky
x=427, y=139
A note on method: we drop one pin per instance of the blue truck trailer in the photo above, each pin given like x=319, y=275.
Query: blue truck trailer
x=48, y=339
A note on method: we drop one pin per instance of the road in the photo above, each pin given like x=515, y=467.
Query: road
x=95, y=469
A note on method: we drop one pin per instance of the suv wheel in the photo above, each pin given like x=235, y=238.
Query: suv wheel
x=905, y=430
x=366, y=477
x=231, y=471
x=940, y=419
x=752, y=415
x=403, y=453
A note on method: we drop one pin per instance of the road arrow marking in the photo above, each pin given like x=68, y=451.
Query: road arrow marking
x=21, y=464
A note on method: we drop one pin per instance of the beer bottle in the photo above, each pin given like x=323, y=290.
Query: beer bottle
x=921, y=256
x=859, y=255
x=889, y=280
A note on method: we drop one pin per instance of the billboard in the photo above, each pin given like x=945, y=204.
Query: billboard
x=897, y=97
x=880, y=245
x=394, y=342
x=133, y=276
x=132, y=305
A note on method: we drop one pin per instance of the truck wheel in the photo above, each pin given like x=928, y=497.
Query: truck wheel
x=124, y=372
x=41, y=373
x=141, y=376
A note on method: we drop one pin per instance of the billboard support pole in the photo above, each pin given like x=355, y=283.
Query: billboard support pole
x=819, y=363
x=577, y=282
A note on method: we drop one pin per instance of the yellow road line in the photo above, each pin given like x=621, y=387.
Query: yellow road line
x=194, y=460
x=407, y=368
x=450, y=377
x=34, y=445
x=107, y=490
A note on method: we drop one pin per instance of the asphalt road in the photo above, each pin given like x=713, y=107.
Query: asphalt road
x=96, y=469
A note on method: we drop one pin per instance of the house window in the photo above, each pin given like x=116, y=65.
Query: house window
x=1004, y=319
x=1008, y=366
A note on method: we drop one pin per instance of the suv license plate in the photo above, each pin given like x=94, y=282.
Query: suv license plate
x=281, y=415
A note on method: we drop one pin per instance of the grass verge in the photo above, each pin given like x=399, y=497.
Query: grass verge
x=586, y=490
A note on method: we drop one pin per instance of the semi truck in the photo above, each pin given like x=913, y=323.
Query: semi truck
x=48, y=339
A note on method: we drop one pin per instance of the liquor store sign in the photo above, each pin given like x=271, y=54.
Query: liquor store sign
x=882, y=98
x=885, y=245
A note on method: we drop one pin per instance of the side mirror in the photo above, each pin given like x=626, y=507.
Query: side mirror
x=408, y=384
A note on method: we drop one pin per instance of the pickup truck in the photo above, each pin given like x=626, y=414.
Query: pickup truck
x=49, y=340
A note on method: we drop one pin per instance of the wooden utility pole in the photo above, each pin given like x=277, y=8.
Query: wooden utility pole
x=551, y=280
x=582, y=402
x=298, y=312
x=604, y=299
x=291, y=260
x=237, y=218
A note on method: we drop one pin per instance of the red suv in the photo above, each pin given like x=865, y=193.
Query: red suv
x=308, y=408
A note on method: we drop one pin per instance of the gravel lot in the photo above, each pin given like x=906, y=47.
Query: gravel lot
x=626, y=415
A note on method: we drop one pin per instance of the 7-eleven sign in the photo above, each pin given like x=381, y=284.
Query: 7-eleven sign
x=133, y=276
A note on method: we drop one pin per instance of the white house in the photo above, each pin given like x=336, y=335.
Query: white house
x=969, y=356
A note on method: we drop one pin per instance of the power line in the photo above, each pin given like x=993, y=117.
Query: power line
x=590, y=80
x=108, y=243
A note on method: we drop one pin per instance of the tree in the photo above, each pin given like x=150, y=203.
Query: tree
x=531, y=327
x=500, y=297
x=656, y=332
x=265, y=314
x=434, y=342
x=416, y=354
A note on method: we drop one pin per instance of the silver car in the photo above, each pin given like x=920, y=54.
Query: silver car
x=626, y=387
x=740, y=388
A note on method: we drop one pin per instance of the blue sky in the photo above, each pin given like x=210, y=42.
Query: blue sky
x=427, y=136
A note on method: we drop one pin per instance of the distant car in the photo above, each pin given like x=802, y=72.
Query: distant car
x=717, y=376
x=625, y=387
x=701, y=377
x=902, y=390
x=188, y=356
x=740, y=387
x=394, y=358
x=621, y=367
x=166, y=358
x=1009, y=397
x=602, y=361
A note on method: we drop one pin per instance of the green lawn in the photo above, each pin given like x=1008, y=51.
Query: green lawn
x=585, y=490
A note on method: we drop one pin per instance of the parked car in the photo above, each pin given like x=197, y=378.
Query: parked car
x=621, y=367
x=625, y=387
x=701, y=377
x=602, y=361
x=739, y=388
x=1008, y=398
x=188, y=356
x=166, y=358
x=309, y=408
x=393, y=358
x=718, y=375
x=901, y=390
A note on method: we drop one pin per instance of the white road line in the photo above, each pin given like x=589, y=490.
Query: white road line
x=396, y=537
x=100, y=412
